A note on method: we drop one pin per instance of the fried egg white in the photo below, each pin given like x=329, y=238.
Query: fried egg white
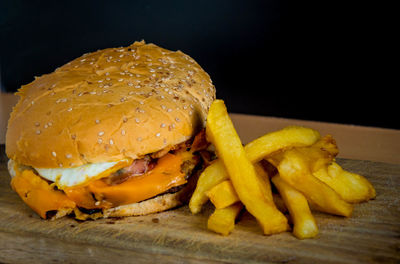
x=69, y=177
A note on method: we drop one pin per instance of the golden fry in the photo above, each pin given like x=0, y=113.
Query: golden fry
x=221, y=132
x=210, y=177
x=222, y=221
x=263, y=177
x=255, y=151
x=304, y=224
x=223, y=195
x=295, y=169
x=351, y=187
x=291, y=136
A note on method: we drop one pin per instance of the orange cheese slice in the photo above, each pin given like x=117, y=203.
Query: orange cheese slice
x=38, y=194
x=41, y=197
x=165, y=175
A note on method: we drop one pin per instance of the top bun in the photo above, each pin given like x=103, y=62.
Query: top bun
x=109, y=105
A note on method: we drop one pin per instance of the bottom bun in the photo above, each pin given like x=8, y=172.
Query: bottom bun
x=154, y=205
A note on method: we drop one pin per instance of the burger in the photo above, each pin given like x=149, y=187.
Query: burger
x=117, y=132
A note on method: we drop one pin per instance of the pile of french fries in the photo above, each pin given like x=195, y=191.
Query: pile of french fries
x=299, y=163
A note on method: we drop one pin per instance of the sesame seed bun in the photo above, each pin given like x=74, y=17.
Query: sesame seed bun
x=109, y=105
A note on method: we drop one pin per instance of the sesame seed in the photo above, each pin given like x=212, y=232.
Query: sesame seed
x=162, y=125
x=111, y=142
x=107, y=73
x=38, y=132
x=177, y=119
x=158, y=134
x=137, y=86
x=123, y=132
x=97, y=121
x=37, y=124
x=120, y=80
x=101, y=133
x=139, y=139
x=69, y=109
x=125, y=119
x=131, y=92
x=68, y=156
x=169, y=110
x=60, y=165
x=152, y=70
x=141, y=102
x=50, y=124
x=130, y=84
x=100, y=141
x=46, y=126
x=73, y=136
x=122, y=99
x=54, y=154
x=137, y=120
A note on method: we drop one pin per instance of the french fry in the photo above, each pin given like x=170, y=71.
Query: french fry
x=223, y=195
x=291, y=136
x=351, y=187
x=263, y=177
x=222, y=221
x=295, y=169
x=304, y=224
x=210, y=177
x=241, y=171
x=269, y=143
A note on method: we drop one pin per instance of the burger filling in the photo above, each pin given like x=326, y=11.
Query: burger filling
x=166, y=171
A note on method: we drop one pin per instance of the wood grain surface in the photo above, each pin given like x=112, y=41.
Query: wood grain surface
x=371, y=235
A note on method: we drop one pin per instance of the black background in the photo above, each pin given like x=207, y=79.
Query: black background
x=326, y=61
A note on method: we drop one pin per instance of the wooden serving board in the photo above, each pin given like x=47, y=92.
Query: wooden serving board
x=371, y=235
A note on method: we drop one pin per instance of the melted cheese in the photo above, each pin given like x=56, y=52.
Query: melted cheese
x=41, y=196
x=38, y=194
x=164, y=176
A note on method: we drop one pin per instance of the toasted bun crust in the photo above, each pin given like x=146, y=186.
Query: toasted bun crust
x=154, y=205
x=108, y=105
